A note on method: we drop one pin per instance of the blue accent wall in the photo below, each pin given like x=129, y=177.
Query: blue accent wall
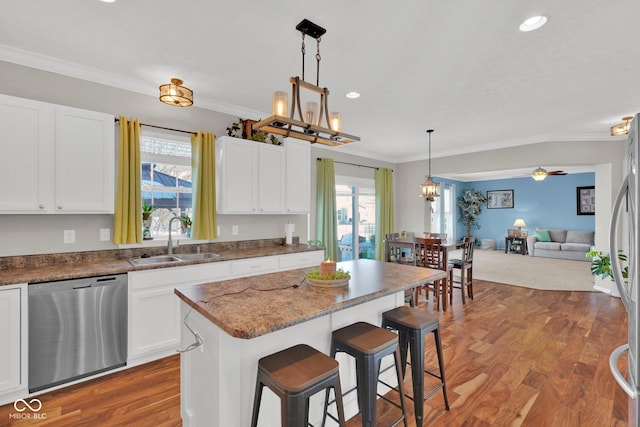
x=546, y=204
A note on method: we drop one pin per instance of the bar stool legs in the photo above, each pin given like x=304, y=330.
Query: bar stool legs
x=412, y=326
x=294, y=375
x=368, y=344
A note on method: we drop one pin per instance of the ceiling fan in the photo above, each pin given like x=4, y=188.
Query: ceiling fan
x=540, y=174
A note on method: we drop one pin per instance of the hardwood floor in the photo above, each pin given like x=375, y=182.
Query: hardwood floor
x=513, y=357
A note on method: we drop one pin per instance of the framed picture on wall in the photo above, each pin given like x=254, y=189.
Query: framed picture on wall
x=586, y=200
x=500, y=199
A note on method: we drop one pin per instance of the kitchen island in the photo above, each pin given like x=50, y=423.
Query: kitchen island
x=241, y=320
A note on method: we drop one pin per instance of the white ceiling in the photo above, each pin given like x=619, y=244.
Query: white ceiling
x=459, y=67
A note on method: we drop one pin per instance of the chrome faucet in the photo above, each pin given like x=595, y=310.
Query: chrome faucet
x=170, y=248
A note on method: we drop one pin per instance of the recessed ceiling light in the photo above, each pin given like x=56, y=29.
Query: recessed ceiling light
x=108, y=1
x=353, y=95
x=533, y=23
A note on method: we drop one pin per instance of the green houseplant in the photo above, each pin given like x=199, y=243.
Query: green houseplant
x=147, y=210
x=470, y=203
x=601, y=264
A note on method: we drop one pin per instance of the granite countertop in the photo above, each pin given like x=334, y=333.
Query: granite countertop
x=72, y=265
x=253, y=306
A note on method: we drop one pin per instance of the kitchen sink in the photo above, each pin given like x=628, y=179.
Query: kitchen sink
x=194, y=257
x=158, y=259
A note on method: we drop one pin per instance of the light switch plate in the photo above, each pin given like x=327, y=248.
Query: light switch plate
x=105, y=234
x=69, y=236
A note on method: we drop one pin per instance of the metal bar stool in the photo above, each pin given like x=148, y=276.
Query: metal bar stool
x=295, y=374
x=368, y=344
x=412, y=326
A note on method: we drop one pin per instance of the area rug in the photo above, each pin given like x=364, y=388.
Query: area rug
x=530, y=272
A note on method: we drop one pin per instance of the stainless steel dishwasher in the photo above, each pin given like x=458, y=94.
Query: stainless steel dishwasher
x=77, y=328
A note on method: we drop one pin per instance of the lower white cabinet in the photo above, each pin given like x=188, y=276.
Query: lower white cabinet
x=154, y=309
x=13, y=341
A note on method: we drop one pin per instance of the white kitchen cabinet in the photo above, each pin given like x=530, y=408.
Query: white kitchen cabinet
x=154, y=309
x=55, y=159
x=85, y=161
x=301, y=260
x=252, y=266
x=250, y=177
x=13, y=341
x=26, y=163
x=271, y=173
x=297, y=176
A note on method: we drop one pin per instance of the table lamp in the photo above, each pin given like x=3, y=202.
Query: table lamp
x=519, y=223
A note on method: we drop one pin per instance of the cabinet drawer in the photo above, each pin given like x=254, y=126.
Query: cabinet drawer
x=179, y=276
x=301, y=260
x=253, y=266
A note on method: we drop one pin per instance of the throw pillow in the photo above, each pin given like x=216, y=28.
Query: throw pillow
x=542, y=236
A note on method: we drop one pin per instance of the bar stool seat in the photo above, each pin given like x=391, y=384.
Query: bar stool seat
x=412, y=325
x=368, y=344
x=294, y=375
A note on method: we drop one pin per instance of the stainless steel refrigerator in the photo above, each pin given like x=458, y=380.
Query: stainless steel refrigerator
x=624, y=236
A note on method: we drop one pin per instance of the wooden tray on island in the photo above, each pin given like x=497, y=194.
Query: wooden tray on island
x=329, y=283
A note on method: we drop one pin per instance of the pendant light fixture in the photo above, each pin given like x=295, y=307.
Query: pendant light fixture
x=175, y=94
x=308, y=125
x=430, y=189
x=622, y=128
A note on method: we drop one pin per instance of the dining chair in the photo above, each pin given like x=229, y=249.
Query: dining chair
x=393, y=254
x=431, y=253
x=465, y=265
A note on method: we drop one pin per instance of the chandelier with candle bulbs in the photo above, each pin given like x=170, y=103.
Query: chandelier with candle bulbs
x=308, y=125
x=430, y=188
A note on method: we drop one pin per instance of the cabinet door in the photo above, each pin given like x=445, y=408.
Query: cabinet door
x=10, y=343
x=85, y=161
x=271, y=179
x=298, y=176
x=238, y=164
x=26, y=163
x=154, y=309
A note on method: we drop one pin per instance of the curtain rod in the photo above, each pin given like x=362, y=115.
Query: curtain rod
x=163, y=128
x=354, y=164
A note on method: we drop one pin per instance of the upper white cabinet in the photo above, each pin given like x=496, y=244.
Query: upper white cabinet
x=26, y=163
x=55, y=159
x=256, y=178
x=298, y=176
x=85, y=161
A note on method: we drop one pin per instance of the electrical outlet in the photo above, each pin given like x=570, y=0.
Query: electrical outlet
x=69, y=236
x=105, y=234
x=219, y=231
x=235, y=230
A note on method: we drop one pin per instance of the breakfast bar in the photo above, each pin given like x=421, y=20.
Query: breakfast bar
x=239, y=321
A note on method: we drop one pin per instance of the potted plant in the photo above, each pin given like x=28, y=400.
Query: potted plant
x=470, y=203
x=186, y=223
x=242, y=129
x=147, y=210
x=601, y=264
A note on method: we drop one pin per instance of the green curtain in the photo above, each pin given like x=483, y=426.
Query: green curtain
x=327, y=218
x=203, y=173
x=127, y=227
x=385, y=220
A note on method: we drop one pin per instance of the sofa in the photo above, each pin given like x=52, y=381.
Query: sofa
x=563, y=244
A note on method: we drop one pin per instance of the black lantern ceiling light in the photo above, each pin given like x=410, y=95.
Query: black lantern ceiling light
x=308, y=125
x=430, y=189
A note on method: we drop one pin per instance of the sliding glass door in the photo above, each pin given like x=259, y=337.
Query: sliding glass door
x=356, y=212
